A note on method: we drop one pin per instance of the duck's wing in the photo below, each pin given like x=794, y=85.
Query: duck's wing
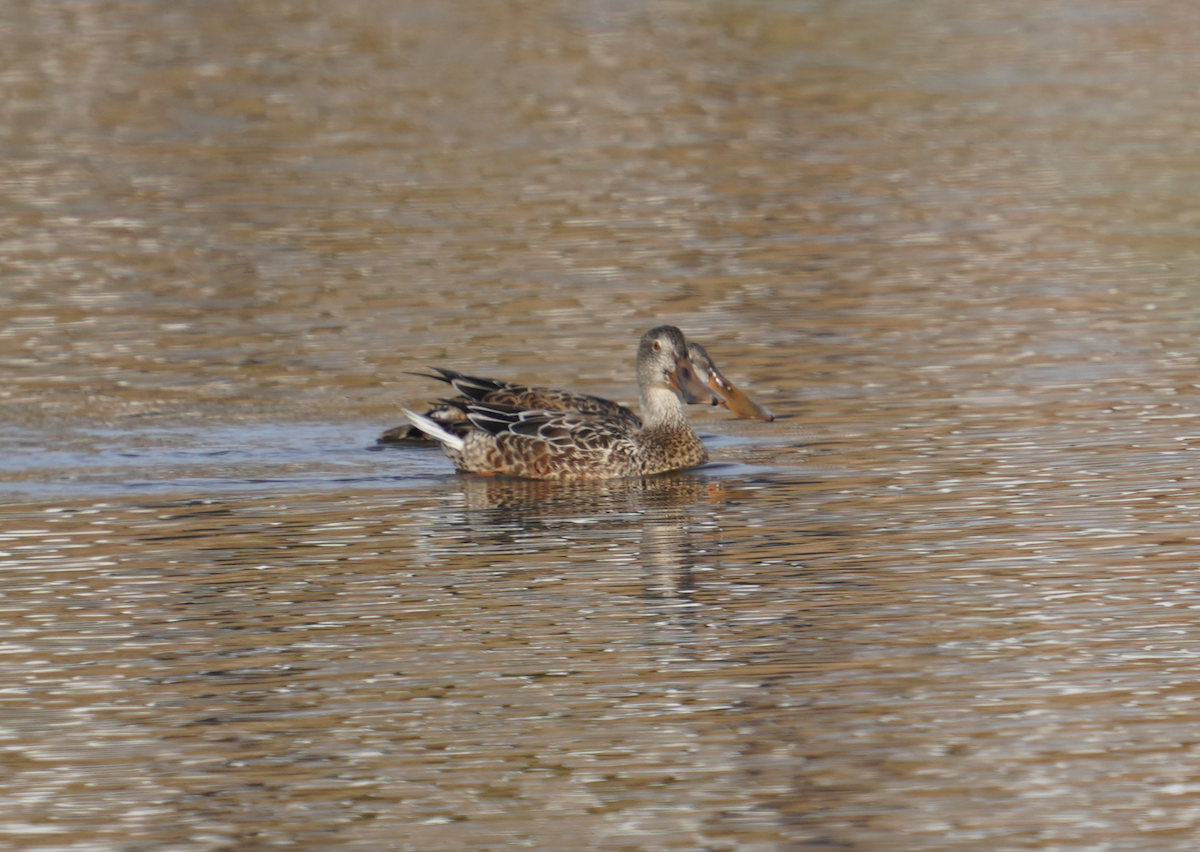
x=563, y=429
x=478, y=390
x=544, y=443
x=471, y=387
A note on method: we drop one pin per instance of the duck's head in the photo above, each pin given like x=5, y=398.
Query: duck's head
x=723, y=391
x=664, y=362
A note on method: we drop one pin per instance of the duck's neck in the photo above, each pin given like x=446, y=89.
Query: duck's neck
x=661, y=407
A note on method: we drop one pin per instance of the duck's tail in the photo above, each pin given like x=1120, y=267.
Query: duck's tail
x=434, y=429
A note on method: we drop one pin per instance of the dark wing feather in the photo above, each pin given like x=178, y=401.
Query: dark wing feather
x=562, y=428
x=471, y=387
x=495, y=395
x=497, y=418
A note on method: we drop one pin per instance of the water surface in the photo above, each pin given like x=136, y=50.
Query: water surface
x=945, y=601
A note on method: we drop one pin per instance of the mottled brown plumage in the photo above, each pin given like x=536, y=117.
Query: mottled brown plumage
x=541, y=443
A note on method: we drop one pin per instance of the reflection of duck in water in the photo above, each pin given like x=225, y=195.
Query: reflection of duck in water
x=453, y=416
x=597, y=440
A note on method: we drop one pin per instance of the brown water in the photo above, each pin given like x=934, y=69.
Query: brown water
x=947, y=601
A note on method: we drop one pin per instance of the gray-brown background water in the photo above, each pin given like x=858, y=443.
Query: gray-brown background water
x=947, y=601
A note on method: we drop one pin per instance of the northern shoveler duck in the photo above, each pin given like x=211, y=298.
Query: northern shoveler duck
x=542, y=443
x=451, y=413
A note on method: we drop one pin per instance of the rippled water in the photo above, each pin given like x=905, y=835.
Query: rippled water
x=946, y=601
